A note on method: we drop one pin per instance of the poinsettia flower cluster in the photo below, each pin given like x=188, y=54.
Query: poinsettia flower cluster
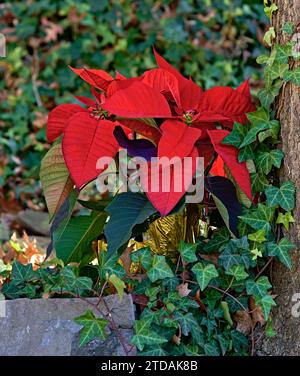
x=174, y=116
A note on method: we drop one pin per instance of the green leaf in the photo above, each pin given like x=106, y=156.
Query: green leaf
x=55, y=179
x=118, y=284
x=22, y=273
x=266, y=303
x=126, y=211
x=259, y=218
x=288, y=28
x=283, y=196
x=159, y=269
x=187, y=322
x=246, y=153
x=277, y=70
x=191, y=350
x=258, y=236
x=269, y=330
x=70, y=282
x=143, y=256
x=269, y=10
x=273, y=132
x=266, y=160
x=226, y=313
x=204, y=274
x=238, y=272
x=93, y=327
x=259, y=182
x=236, y=136
x=269, y=36
x=77, y=237
x=251, y=136
x=188, y=251
x=285, y=219
x=281, y=250
x=283, y=52
x=258, y=288
x=219, y=239
x=155, y=351
x=144, y=335
x=293, y=76
x=239, y=341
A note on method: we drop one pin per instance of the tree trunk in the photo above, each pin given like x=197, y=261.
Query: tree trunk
x=287, y=282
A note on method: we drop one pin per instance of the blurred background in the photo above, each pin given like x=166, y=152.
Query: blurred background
x=216, y=42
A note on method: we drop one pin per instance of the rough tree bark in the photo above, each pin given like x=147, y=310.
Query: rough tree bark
x=287, y=283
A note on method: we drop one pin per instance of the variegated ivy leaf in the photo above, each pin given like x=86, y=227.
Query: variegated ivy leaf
x=266, y=303
x=258, y=288
x=93, y=327
x=277, y=70
x=204, y=274
x=285, y=219
x=259, y=218
x=288, y=28
x=187, y=251
x=267, y=159
x=145, y=335
x=258, y=236
x=283, y=196
x=159, y=269
x=238, y=272
x=269, y=36
x=281, y=250
x=293, y=76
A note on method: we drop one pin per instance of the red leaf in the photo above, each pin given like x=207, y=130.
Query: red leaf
x=138, y=101
x=165, y=197
x=95, y=77
x=87, y=101
x=229, y=154
x=58, y=119
x=138, y=126
x=190, y=93
x=224, y=104
x=178, y=139
x=164, y=82
x=85, y=140
x=244, y=89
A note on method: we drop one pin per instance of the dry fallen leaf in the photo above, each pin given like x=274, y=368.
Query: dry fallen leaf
x=256, y=312
x=183, y=289
x=243, y=320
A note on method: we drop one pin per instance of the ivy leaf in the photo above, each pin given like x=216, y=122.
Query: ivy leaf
x=238, y=272
x=293, y=76
x=269, y=36
x=259, y=218
x=283, y=52
x=236, y=136
x=266, y=160
x=253, y=132
x=143, y=256
x=258, y=288
x=118, y=284
x=288, y=28
x=78, y=235
x=204, y=274
x=144, y=335
x=277, y=70
x=269, y=10
x=22, y=273
x=246, y=153
x=159, y=269
x=259, y=182
x=93, y=327
x=256, y=253
x=127, y=210
x=266, y=303
x=155, y=351
x=272, y=132
x=187, y=322
x=219, y=239
x=281, y=250
x=188, y=251
x=69, y=282
x=258, y=236
x=239, y=341
x=283, y=196
x=285, y=219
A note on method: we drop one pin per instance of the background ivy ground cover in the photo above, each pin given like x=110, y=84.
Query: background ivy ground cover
x=210, y=300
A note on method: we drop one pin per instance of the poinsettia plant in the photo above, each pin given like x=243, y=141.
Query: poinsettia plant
x=160, y=114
